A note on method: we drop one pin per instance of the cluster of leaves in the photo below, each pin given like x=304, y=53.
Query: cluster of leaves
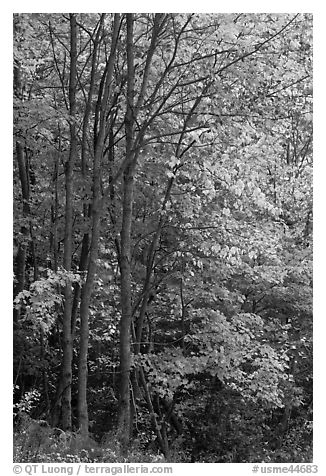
x=43, y=299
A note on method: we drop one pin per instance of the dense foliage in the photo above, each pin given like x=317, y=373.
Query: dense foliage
x=163, y=237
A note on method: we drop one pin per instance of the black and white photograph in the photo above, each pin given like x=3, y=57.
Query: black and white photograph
x=162, y=240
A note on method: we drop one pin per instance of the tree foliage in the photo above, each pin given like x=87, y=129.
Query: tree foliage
x=163, y=235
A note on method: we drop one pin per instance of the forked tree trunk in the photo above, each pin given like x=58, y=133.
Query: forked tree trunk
x=83, y=260
x=93, y=252
x=133, y=144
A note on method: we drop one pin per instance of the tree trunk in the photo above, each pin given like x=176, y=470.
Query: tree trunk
x=160, y=435
x=125, y=268
x=132, y=146
x=20, y=262
x=20, y=265
x=54, y=216
x=87, y=209
x=97, y=204
x=83, y=261
x=126, y=309
x=85, y=300
x=67, y=258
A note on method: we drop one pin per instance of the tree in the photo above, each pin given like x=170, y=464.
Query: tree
x=168, y=232
x=96, y=207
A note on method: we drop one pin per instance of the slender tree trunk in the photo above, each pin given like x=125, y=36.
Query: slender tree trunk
x=125, y=268
x=126, y=309
x=83, y=261
x=67, y=258
x=20, y=262
x=85, y=299
x=54, y=216
x=87, y=210
x=20, y=268
x=132, y=146
x=161, y=437
x=93, y=253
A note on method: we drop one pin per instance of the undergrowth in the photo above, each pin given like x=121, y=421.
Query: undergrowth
x=36, y=442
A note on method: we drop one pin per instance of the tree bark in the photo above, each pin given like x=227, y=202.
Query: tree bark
x=132, y=146
x=97, y=203
x=87, y=209
x=67, y=258
x=23, y=244
x=125, y=268
x=20, y=262
x=126, y=309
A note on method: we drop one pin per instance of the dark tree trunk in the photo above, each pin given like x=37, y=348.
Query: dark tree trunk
x=125, y=256
x=22, y=245
x=126, y=309
x=20, y=265
x=68, y=240
x=54, y=216
x=132, y=146
x=96, y=208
